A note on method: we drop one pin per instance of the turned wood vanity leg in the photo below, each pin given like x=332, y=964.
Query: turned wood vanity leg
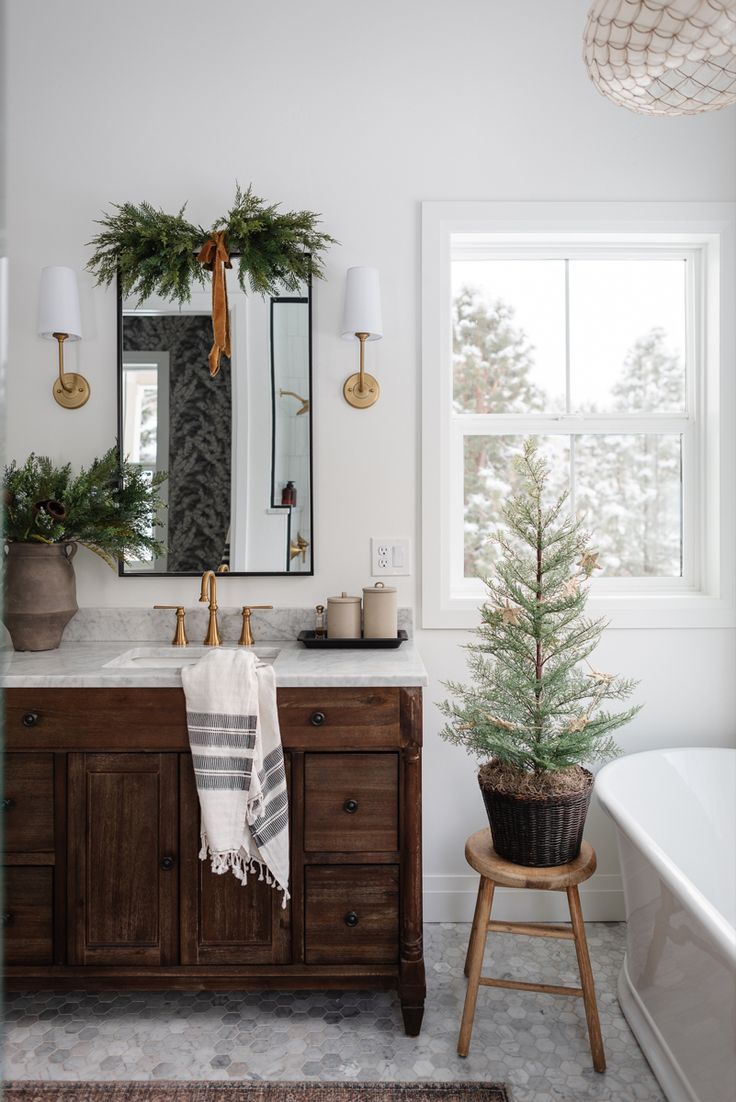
x=412, y=984
x=586, y=980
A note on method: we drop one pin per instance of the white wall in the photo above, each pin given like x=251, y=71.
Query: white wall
x=360, y=112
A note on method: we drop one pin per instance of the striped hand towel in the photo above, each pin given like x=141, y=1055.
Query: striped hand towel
x=239, y=766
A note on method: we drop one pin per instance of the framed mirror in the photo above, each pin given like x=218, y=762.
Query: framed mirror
x=237, y=447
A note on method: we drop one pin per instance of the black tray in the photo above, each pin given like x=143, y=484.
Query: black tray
x=309, y=639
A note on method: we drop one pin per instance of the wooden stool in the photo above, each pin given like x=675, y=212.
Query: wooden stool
x=495, y=871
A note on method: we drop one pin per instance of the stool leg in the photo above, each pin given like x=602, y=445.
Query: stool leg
x=473, y=929
x=586, y=980
x=475, y=964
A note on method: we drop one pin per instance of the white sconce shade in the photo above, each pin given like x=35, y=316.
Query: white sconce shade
x=58, y=305
x=663, y=57
x=362, y=313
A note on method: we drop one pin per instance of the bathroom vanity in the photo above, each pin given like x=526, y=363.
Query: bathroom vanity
x=104, y=886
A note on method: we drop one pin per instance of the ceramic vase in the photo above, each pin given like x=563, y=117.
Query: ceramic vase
x=40, y=593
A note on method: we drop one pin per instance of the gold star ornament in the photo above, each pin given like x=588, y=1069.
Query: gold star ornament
x=589, y=562
x=510, y=615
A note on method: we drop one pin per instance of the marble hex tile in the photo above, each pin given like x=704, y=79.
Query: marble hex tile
x=535, y=1043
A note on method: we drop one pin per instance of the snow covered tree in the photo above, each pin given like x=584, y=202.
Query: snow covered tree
x=629, y=485
x=492, y=364
x=536, y=705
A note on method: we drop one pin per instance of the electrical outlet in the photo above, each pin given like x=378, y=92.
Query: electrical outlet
x=389, y=556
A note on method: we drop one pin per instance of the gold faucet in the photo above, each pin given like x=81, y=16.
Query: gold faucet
x=209, y=591
x=180, y=635
x=246, y=635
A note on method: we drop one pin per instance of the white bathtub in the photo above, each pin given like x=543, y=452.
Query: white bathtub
x=676, y=816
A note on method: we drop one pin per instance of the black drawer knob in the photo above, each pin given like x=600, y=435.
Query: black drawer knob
x=167, y=863
x=30, y=719
x=6, y=918
x=6, y=803
x=317, y=719
x=351, y=919
x=351, y=806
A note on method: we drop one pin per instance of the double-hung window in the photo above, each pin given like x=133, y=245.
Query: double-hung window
x=603, y=330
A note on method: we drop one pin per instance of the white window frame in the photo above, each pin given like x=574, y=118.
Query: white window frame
x=704, y=234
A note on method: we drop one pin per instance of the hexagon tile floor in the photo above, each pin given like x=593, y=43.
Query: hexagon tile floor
x=535, y=1043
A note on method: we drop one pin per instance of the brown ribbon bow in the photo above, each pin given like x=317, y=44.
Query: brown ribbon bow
x=215, y=258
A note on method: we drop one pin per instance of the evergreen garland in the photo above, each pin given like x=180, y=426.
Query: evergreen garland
x=156, y=253
x=110, y=508
x=534, y=706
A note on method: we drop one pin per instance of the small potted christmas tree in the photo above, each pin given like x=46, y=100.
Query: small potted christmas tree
x=536, y=711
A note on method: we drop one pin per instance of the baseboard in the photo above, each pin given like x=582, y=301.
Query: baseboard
x=452, y=899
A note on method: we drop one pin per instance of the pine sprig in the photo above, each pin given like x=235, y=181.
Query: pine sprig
x=535, y=702
x=111, y=507
x=156, y=253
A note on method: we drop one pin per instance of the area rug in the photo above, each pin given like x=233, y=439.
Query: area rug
x=175, y=1091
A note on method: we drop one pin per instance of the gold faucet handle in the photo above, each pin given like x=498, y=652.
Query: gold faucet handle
x=246, y=635
x=180, y=635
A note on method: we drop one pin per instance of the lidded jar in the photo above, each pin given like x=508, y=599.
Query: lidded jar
x=343, y=617
x=380, y=611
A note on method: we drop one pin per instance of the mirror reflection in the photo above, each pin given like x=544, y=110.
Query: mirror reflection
x=237, y=447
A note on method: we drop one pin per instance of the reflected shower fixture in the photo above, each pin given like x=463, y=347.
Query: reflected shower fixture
x=293, y=394
x=362, y=321
x=663, y=57
x=59, y=320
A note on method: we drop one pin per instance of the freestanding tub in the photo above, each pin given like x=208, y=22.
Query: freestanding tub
x=676, y=816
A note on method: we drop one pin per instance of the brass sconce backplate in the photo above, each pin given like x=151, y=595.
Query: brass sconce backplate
x=358, y=398
x=77, y=393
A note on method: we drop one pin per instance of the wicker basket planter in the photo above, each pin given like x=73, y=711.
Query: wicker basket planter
x=538, y=831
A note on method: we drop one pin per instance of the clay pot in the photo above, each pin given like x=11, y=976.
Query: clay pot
x=40, y=593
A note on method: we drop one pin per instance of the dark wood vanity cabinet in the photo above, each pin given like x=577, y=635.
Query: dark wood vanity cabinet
x=103, y=882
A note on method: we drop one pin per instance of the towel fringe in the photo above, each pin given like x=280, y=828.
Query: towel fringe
x=240, y=864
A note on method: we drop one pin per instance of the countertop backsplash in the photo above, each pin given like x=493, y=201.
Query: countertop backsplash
x=149, y=625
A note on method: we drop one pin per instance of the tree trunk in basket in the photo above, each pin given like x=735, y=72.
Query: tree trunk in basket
x=40, y=593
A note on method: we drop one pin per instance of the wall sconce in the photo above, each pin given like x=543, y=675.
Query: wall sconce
x=59, y=318
x=362, y=321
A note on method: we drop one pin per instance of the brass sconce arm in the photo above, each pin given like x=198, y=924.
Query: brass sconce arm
x=361, y=390
x=70, y=390
x=299, y=547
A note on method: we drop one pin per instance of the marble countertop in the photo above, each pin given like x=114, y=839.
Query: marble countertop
x=84, y=665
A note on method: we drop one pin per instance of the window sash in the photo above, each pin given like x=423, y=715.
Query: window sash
x=704, y=232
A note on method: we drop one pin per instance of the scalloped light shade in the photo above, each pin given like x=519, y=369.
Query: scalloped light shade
x=663, y=57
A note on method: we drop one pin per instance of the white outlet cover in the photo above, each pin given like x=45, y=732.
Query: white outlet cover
x=390, y=556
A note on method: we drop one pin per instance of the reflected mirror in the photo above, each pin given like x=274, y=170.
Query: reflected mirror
x=237, y=447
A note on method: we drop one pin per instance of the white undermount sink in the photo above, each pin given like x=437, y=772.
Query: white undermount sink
x=173, y=658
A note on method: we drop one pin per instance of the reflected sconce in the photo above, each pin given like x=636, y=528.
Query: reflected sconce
x=59, y=319
x=362, y=321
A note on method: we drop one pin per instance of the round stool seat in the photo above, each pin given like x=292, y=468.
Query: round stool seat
x=480, y=854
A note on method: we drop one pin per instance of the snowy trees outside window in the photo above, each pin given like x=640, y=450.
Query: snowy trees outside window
x=590, y=356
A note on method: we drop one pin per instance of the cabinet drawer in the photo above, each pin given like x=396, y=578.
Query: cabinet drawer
x=28, y=915
x=28, y=803
x=351, y=803
x=352, y=914
x=340, y=718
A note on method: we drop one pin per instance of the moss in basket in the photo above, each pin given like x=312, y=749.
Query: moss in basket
x=536, y=710
x=110, y=507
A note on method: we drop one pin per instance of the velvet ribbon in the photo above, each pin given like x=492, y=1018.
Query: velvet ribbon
x=215, y=258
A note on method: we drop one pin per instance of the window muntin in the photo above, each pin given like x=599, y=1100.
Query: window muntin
x=608, y=360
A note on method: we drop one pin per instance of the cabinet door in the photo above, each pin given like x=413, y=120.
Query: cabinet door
x=224, y=921
x=123, y=868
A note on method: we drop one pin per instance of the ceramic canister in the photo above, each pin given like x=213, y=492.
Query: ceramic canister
x=343, y=617
x=380, y=614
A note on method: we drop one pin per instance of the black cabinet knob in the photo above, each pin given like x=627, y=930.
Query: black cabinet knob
x=6, y=918
x=351, y=806
x=167, y=863
x=351, y=919
x=30, y=719
x=317, y=719
x=6, y=803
